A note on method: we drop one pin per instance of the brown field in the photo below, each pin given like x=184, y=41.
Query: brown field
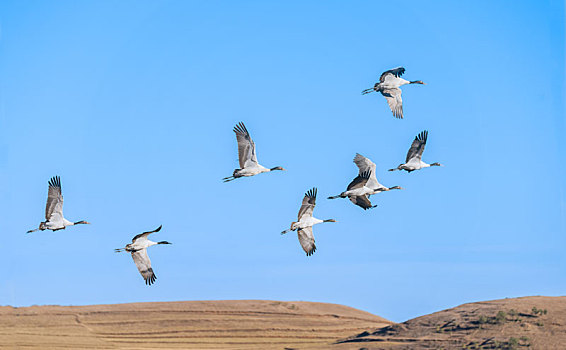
x=521, y=323
x=249, y=324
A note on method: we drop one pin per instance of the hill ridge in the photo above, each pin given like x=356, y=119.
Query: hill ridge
x=537, y=322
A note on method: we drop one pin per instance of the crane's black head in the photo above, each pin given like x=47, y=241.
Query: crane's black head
x=436, y=164
x=277, y=168
x=164, y=242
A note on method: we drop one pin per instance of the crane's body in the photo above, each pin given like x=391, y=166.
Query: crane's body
x=391, y=82
x=139, y=245
x=251, y=170
x=55, y=225
x=414, y=164
x=360, y=191
x=304, y=222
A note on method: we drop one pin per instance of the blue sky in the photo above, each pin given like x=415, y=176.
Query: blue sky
x=133, y=103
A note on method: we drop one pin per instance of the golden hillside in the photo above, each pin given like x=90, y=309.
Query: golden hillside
x=249, y=324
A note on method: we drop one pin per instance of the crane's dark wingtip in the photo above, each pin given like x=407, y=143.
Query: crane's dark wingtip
x=240, y=128
x=55, y=181
x=311, y=252
x=312, y=192
x=150, y=280
x=422, y=136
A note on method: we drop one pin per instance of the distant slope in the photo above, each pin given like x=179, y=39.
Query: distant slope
x=519, y=323
x=249, y=324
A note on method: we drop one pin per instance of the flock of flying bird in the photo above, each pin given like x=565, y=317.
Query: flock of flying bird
x=358, y=191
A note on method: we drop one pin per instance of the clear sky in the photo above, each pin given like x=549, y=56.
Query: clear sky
x=133, y=103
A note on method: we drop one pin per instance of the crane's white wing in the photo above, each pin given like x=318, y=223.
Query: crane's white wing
x=145, y=234
x=417, y=147
x=306, y=238
x=144, y=265
x=392, y=74
x=364, y=164
x=246, y=147
x=309, y=202
x=393, y=97
x=54, y=207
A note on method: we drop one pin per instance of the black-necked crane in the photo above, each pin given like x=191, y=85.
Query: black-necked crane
x=138, y=248
x=389, y=86
x=247, y=156
x=305, y=222
x=414, y=156
x=364, y=185
x=364, y=164
x=54, y=219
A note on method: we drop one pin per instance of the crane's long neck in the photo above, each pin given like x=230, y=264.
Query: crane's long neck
x=68, y=223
